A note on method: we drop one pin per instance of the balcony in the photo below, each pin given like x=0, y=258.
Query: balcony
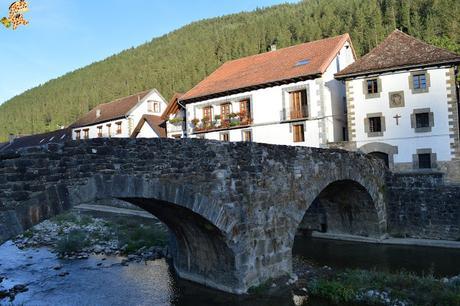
x=232, y=122
x=294, y=114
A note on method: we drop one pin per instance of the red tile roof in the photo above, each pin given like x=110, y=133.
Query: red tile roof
x=154, y=122
x=399, y=51
x=110, y=111
x=268, y=68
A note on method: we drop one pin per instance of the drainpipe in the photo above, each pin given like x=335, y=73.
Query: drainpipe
x=185, y=116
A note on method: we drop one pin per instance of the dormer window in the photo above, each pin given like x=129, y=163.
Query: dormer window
x=153, y=106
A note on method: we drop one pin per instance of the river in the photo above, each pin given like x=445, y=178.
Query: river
x=103, y=280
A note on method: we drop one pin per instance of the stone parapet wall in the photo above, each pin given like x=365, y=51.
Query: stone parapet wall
x=421, y=205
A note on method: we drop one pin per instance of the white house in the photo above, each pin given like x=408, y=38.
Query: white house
x=134, y=116
x=174, y=117
x=287, y=96
x=403, y=104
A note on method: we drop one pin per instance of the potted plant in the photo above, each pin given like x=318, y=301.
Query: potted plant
x=176, y=120
x=195, y=122
x=217, y=117
x=232, y=115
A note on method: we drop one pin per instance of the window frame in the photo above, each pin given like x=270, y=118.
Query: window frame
x=425, y=129
x=298, y=136
x=225, y=110
x=244, y=134
x=375, y=93
x=78, y=135
x=367, y=125
x=99, y=131
x=86, y=134
x=119, y=129
x=419, y=73
x=224, y=136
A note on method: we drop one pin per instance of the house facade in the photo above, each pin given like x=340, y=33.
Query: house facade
x=174, y=118
x=286, y=97
x=403, y=104
x=134, y=116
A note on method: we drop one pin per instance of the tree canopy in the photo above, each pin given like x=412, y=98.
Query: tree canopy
x=177, y=61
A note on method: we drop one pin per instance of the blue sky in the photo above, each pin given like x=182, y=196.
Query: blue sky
x=67, y=34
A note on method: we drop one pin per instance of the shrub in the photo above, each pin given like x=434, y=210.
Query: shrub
x=73, y=242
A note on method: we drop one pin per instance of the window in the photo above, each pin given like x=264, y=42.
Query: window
x=207, y=113
x=77, y=135
x=99, y=131
x=225, y=111
x=224, y=137
x=156, y=107
x=375, y=124
x=419, y=81
x=422, y=120
x=86, y=133
x=298, y=133
x=245, y=109
x=109, y=129
x=119, y=130
x=372, y=86
x=247, y=136
x=298, y=104
x=424, y=161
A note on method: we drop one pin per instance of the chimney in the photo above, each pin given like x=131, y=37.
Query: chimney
x=98, y=113
x=273, y=47
x=11, y=138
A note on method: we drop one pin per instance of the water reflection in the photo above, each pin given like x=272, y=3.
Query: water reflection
x=103, y=281
x=343, y=254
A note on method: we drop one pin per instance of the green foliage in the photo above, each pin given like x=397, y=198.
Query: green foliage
x=73, y=242
x=418, y=290
x=136, y=236
x=179, y=60
x=333, y=291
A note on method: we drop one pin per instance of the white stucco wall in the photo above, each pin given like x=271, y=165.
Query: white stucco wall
x=147, y=132
x=325, y=102
x=129, y=122
x=403, y=135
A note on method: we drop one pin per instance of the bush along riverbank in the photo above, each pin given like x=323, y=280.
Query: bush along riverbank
x=363, y=287
x=74, y=236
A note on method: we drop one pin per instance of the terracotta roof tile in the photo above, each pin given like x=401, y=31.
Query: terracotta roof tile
x=283, y=64
x=110, y=111
x=154, y=122
x=399, y=51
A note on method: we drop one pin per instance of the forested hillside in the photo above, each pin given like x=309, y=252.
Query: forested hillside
x=178, y=60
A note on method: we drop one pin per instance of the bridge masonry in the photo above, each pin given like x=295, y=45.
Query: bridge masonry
x=234, y=208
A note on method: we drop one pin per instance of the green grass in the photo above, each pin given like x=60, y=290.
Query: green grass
x=343, y=287
x=73, y=242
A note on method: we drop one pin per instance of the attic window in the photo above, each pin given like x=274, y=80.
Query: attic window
x=302, y=62
x=98, y=113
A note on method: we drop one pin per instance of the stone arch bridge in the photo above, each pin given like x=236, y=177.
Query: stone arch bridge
x=234, y=208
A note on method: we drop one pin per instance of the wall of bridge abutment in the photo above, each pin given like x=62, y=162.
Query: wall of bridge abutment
x=234, y=208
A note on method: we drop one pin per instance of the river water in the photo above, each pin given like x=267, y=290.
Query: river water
x=103, y=280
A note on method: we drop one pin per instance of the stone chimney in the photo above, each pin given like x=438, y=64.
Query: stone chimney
x=273, y=47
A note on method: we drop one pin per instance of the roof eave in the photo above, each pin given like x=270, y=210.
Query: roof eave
x=250, y=88
x=393, y=69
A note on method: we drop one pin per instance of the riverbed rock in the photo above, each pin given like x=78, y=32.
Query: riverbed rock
x=19, y=289
x=58, y=267
x=62, y=274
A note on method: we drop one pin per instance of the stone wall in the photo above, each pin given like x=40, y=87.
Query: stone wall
x=423, y=206
x=234, y=208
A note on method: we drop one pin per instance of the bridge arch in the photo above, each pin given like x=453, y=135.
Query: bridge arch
x=201, y=250
x=345, y=207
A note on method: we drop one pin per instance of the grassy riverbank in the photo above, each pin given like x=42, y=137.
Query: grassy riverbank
x=381, y=288
x=72, y=233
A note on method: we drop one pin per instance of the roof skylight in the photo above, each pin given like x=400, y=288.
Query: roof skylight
x=302, y=62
